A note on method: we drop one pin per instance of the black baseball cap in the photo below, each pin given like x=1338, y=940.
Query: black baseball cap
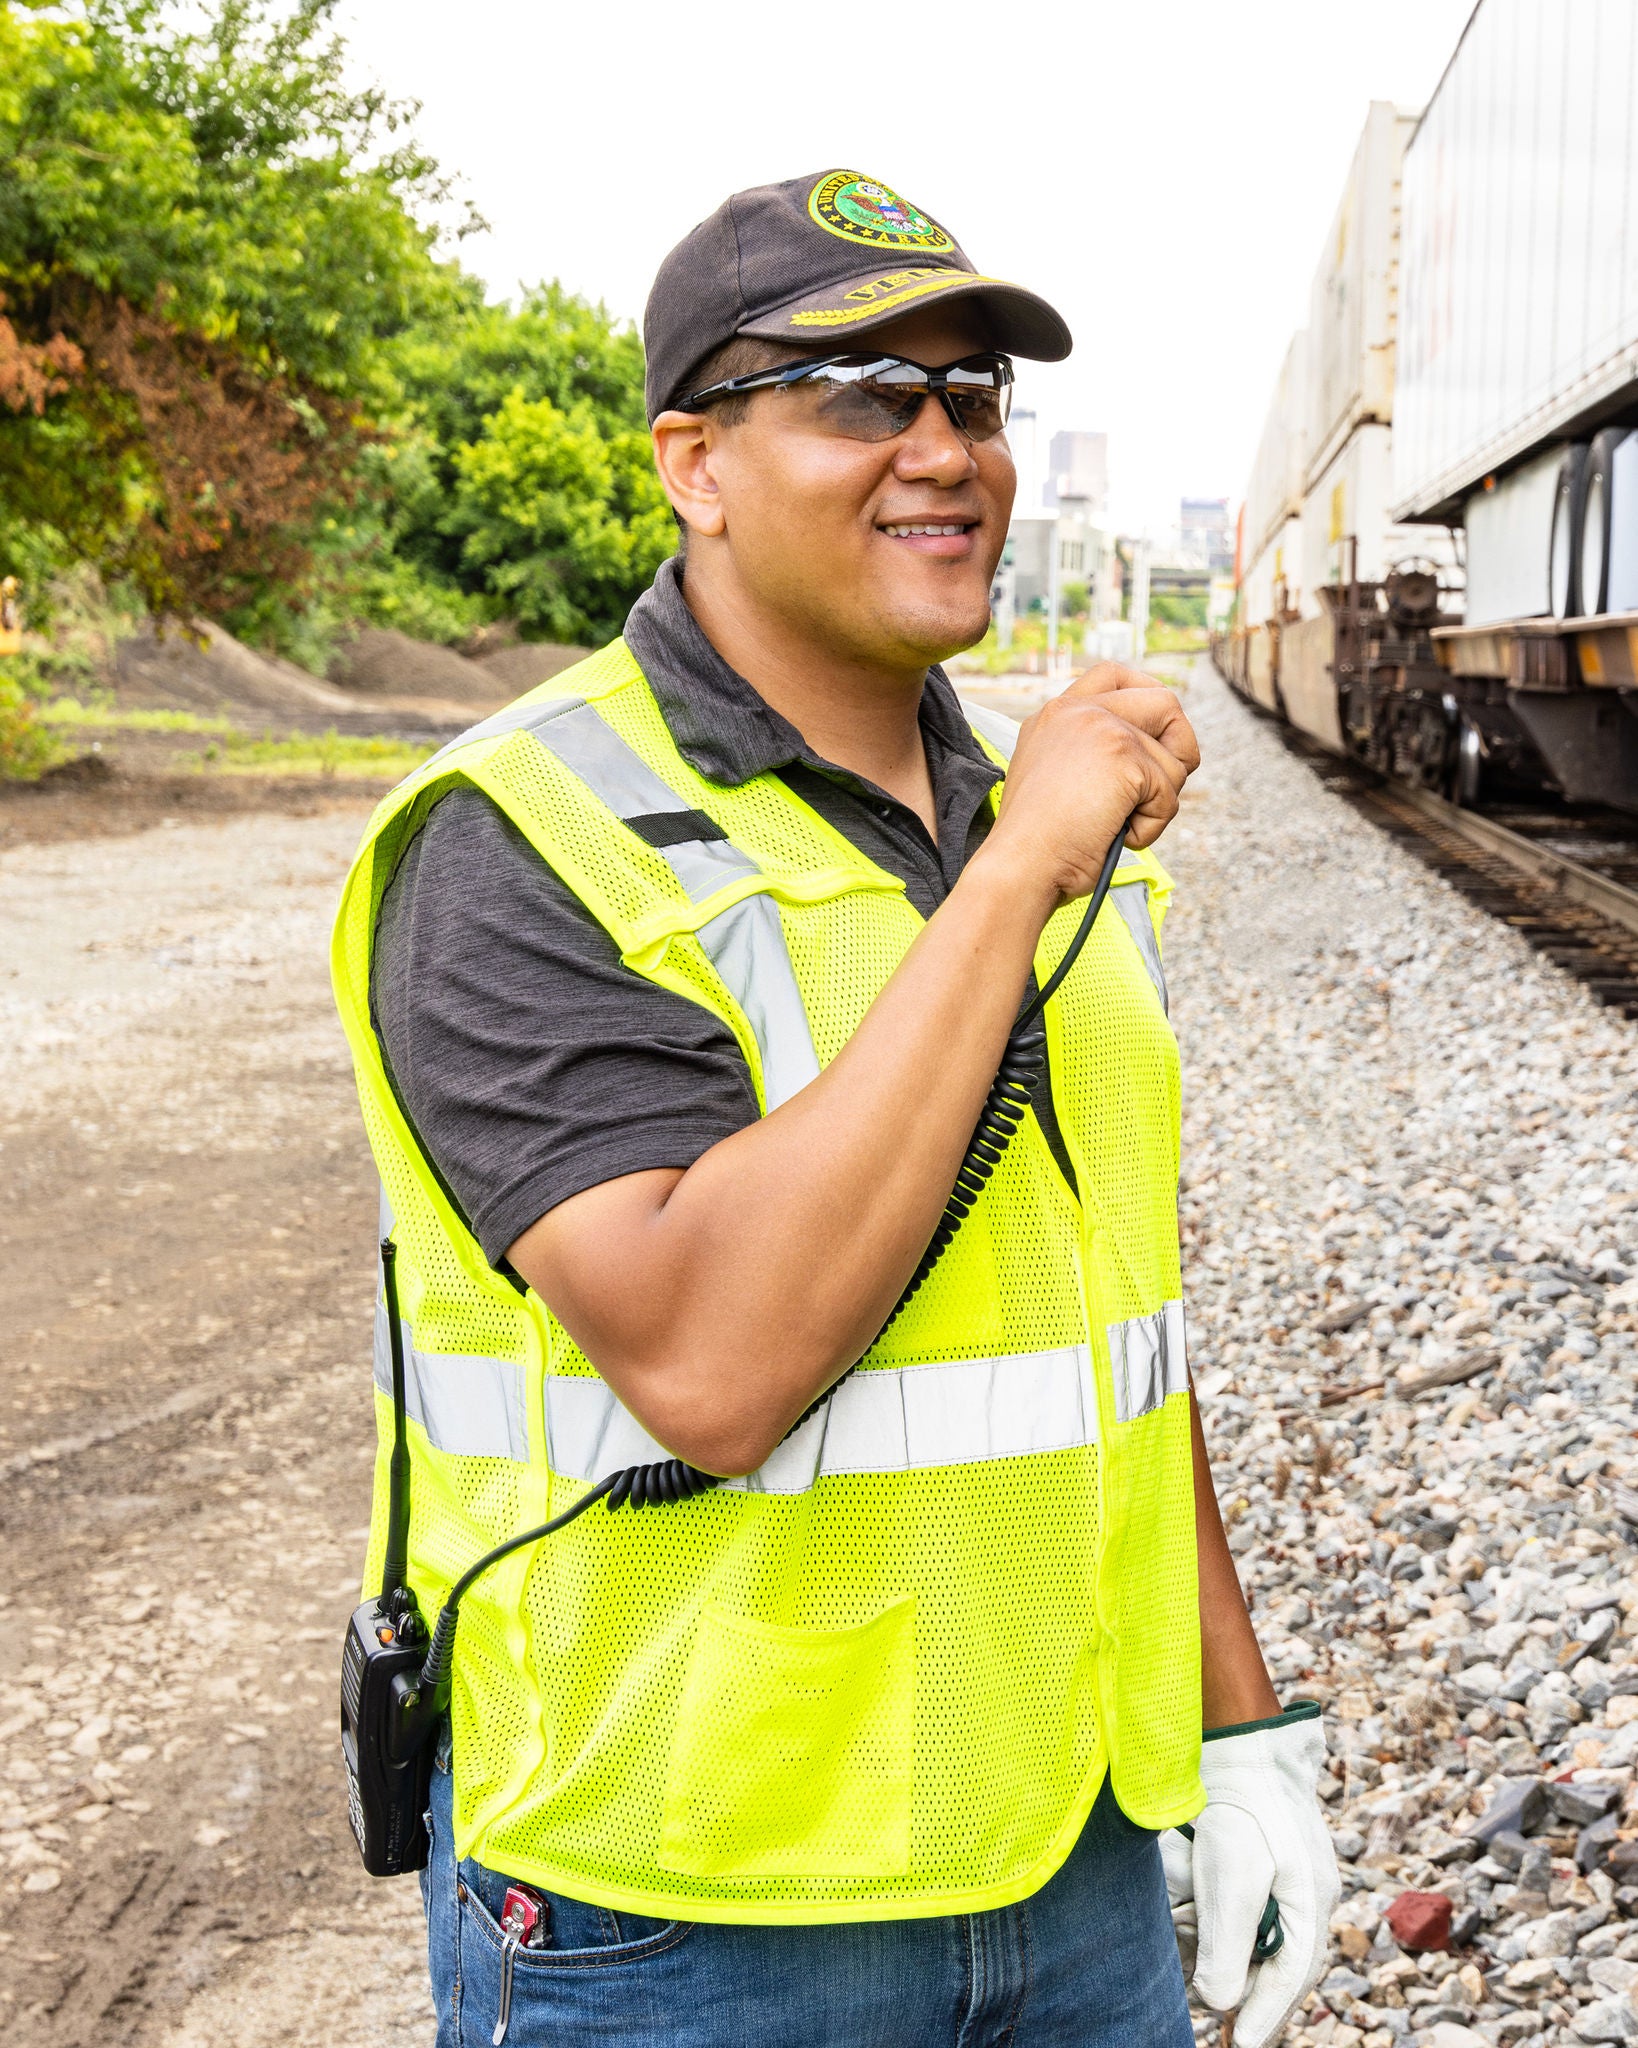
x=816, y=261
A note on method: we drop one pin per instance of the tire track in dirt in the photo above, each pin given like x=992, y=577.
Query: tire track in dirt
x=187, y=1217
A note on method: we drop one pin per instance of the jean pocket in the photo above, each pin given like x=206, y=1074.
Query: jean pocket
x=792, y=1754
x=610, y=1945
x=621, y=1992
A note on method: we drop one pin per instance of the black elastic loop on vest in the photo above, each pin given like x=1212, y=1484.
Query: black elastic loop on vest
x=674, y=828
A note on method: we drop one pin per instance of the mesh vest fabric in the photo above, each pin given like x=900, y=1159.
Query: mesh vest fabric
x=887, y=1675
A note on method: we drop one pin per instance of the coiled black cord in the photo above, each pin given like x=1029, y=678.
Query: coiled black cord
x=1019, y=1075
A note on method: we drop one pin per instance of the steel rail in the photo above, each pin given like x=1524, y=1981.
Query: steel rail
x=1573, y=881
x=1584, y=922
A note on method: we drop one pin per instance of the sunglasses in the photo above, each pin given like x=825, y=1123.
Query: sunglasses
x=872, y=398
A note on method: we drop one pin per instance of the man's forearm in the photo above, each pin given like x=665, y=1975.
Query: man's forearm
x=719, y=1302
x=768, y=1266
x=1234, y=1681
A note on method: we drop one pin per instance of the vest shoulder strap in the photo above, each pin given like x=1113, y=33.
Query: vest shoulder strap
x=998, y=734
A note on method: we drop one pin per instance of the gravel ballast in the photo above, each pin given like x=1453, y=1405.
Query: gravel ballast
x=1410, y=1220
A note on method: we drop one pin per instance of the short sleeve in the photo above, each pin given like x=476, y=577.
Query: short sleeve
x=531, y=1062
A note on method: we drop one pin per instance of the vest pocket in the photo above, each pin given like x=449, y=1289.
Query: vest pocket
x=793, y=1750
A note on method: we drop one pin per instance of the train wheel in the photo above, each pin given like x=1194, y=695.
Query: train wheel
x=1427, y=736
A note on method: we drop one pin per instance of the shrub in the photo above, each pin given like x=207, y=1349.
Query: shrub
x=27, y=749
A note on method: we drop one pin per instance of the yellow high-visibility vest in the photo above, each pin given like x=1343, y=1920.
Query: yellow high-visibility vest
x=887, y=1673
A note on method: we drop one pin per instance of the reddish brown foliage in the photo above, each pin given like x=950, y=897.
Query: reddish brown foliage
x=243, y=462
x=31, y=372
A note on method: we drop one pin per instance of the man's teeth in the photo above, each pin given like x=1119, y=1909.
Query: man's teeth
x=898, y=531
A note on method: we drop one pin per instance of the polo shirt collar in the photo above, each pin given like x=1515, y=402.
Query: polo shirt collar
x=723, y=728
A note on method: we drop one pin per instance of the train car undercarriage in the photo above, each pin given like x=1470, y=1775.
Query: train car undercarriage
x=1471, y=713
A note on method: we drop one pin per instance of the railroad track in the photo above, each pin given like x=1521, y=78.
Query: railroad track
x=1563, y=881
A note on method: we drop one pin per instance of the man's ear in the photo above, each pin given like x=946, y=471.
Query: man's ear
x=683, y=444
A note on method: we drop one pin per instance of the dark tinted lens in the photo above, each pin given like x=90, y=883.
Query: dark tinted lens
x=981, y=396
x=865, y=400
x=872, y=398
x=982, y=413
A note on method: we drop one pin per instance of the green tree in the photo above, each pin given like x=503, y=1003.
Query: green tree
x=229, y=238
x=1179, y=608
x=233, y=371
x=562, y=523
x=527, y=476
x=456, y=371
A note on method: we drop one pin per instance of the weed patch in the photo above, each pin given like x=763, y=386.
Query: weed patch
x=27, y=747
x=366, y=756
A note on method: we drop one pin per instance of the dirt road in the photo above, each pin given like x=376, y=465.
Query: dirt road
x=187, y=1216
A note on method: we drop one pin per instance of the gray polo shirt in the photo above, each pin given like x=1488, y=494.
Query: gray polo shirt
x=531, y=1062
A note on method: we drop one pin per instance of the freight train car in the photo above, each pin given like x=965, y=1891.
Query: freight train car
x=1517, y=398
x=1442, y=579
x=1334, y=601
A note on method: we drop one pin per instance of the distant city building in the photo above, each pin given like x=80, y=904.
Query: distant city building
x=1029, y=554
x=1086, y=554
x=1023, y=438
x=1206, y=534
x=1066, y=510
x=1078, y=469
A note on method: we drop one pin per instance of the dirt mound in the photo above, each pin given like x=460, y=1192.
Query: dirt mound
x=383, y=660
x=389, y=663
x=516, y=669
x=201, y=668
x=378, y=674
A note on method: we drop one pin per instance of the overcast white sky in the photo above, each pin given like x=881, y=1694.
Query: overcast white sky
x=1164, y=170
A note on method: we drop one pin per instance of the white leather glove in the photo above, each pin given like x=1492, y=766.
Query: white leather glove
x=1262, y=1835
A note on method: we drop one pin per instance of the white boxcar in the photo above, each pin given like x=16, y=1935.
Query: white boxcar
x=1320, y=472
x=1274, y=492
x=1352, y=305
x=1509, y=539
x=1273, y=578
x=1346, y=526
x=1519, y=266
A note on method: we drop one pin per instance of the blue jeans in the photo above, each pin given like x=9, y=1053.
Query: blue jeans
x=1088, y=1962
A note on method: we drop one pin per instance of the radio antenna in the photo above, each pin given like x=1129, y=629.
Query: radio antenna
x=395, y=1562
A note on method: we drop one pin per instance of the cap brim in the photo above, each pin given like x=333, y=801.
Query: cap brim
x=1017, y=321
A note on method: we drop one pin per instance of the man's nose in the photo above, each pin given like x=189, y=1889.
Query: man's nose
x=932, y=449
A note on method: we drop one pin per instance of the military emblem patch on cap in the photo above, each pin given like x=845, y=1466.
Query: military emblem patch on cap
x=859, y=210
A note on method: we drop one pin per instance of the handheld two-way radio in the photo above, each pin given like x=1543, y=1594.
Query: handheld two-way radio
x=388, y=1761
x=395, y=1677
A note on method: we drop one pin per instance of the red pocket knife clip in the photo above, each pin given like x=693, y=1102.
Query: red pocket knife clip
x=526, y=1917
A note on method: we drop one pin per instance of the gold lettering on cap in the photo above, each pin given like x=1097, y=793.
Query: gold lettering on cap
x=880, y=286
x=929, y=281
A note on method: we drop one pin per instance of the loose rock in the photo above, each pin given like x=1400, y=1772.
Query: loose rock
x=1410, y=1147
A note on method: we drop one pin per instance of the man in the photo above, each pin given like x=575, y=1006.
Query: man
x=676, y=992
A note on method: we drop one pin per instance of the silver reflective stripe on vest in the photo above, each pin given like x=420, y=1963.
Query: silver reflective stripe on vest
x=590, y=747
x=994, y=726
x=746, y=942
x=1149, y=1359
x=515, y=718
x=469, y=1405
x=1132, y=901
x=894, y=1419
